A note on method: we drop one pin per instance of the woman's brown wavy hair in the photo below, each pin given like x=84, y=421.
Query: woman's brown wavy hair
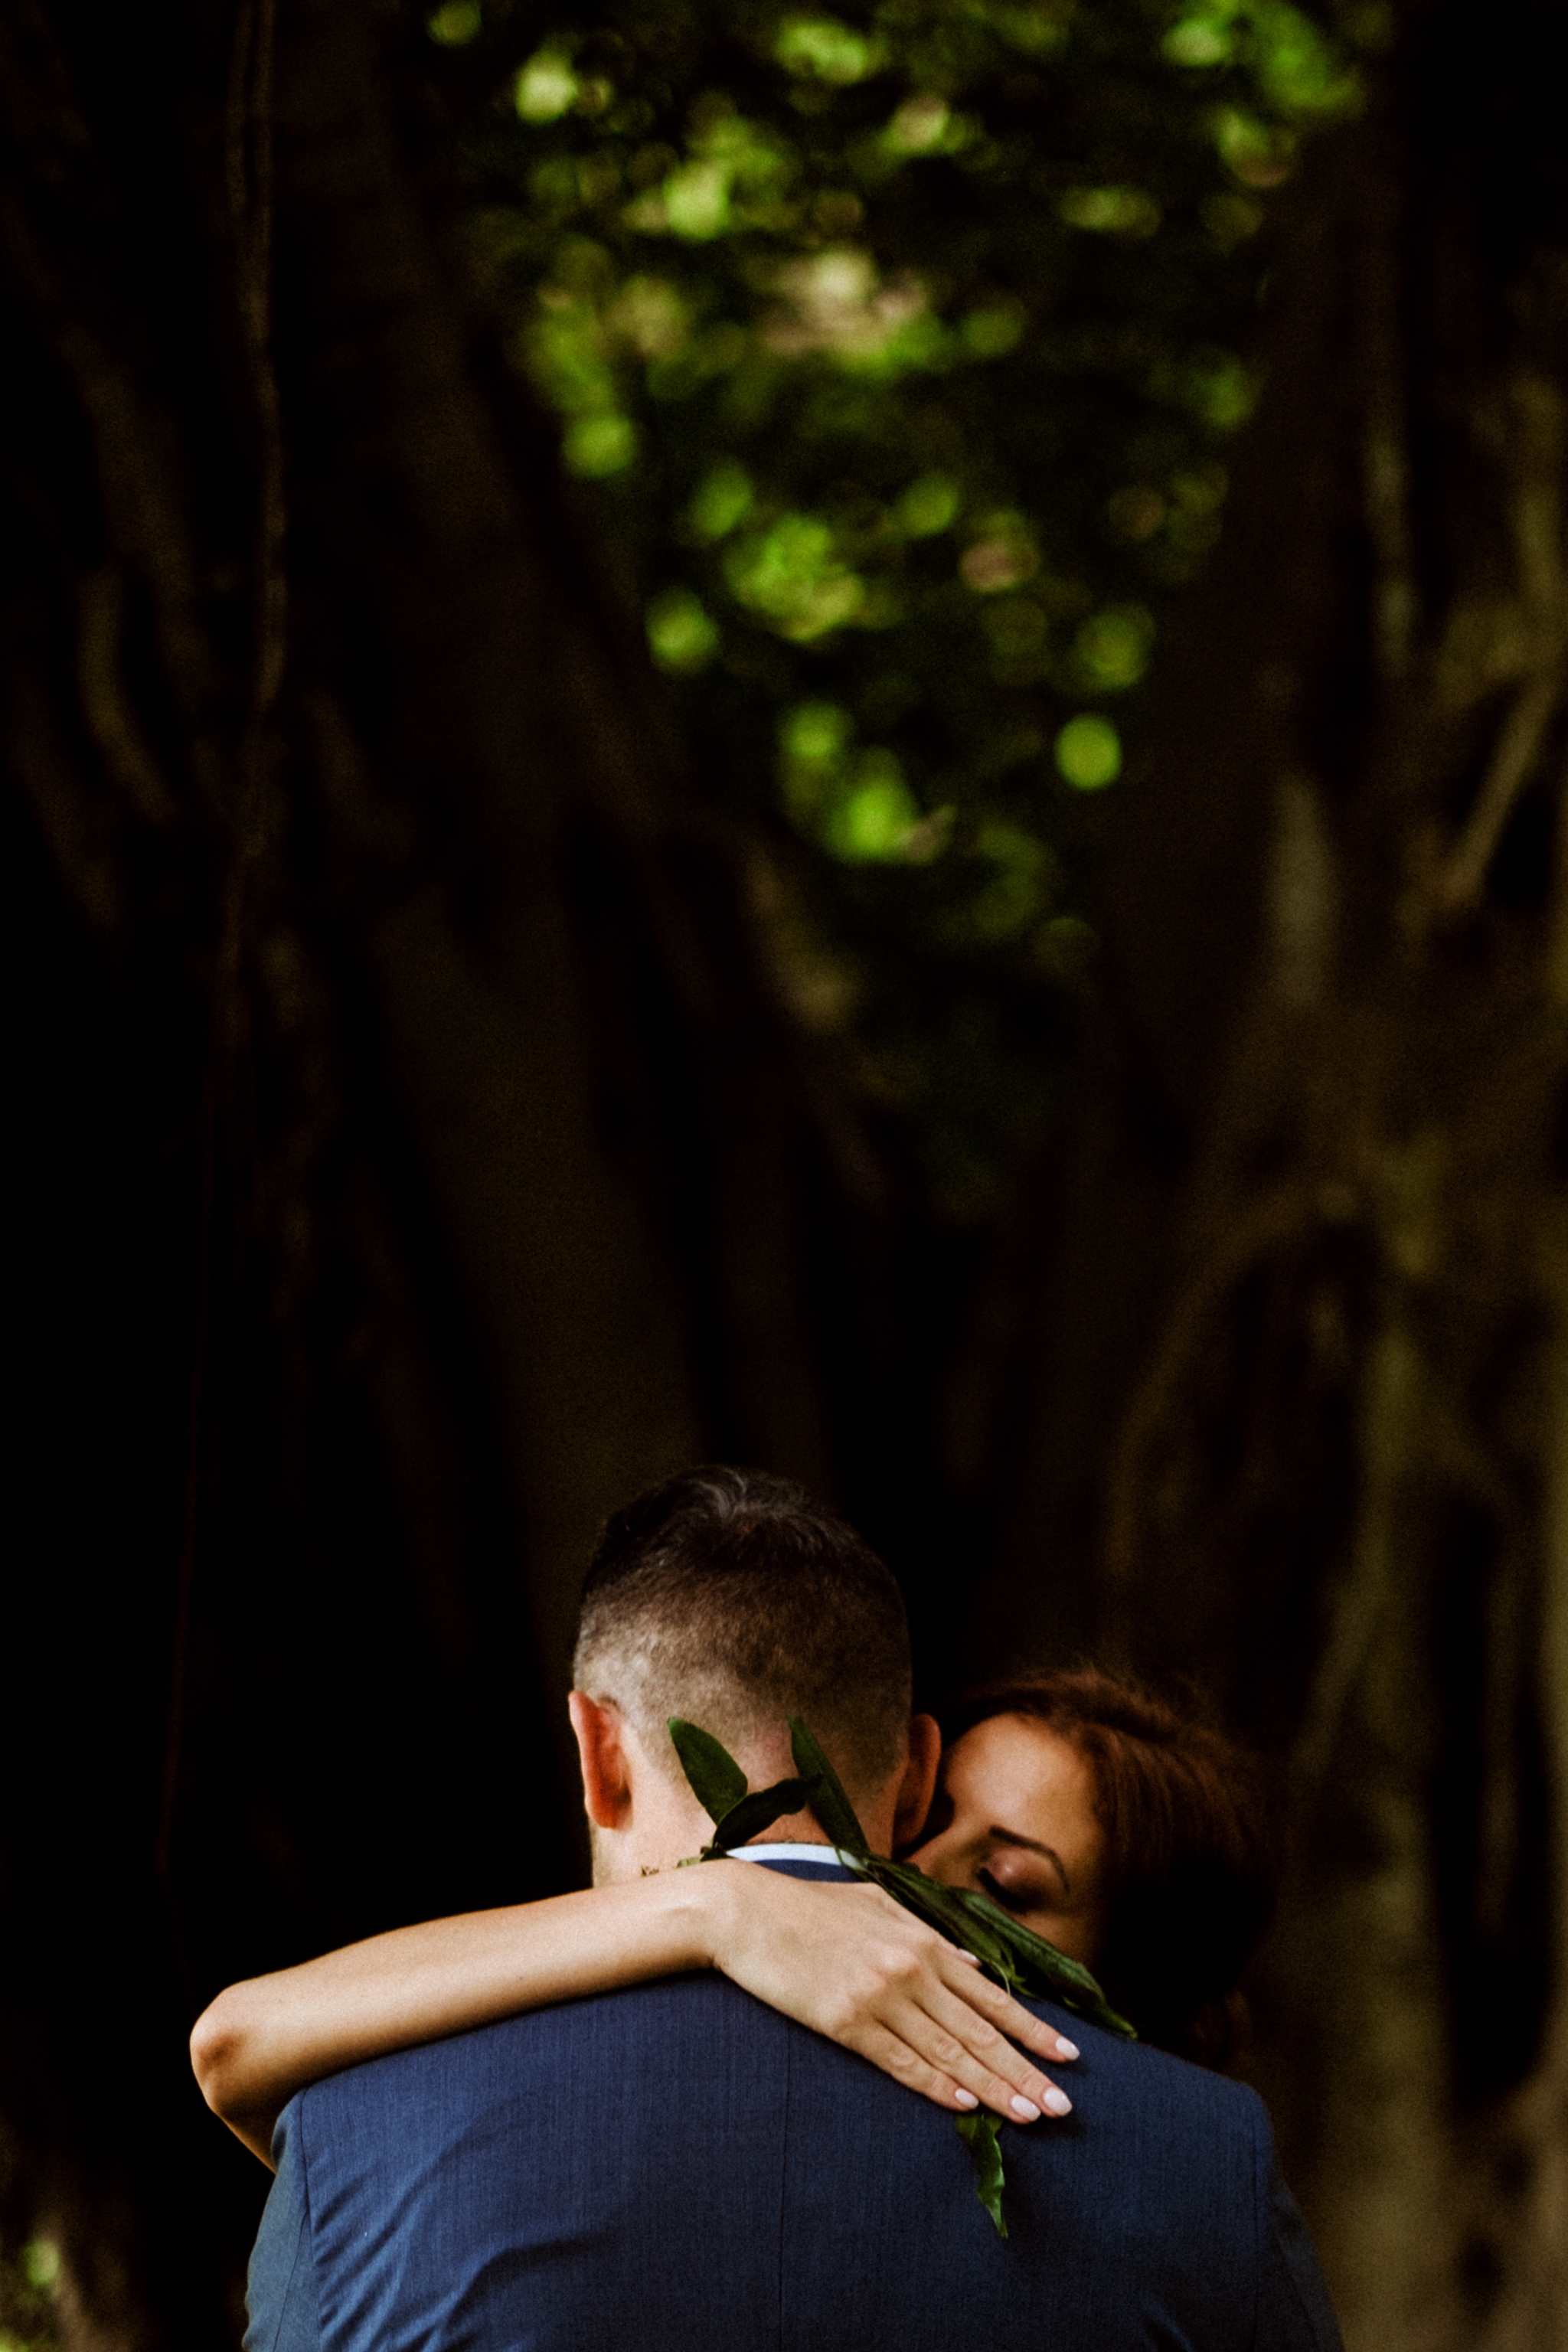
x=1190, y=1850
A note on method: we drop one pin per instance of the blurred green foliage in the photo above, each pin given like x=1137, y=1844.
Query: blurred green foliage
x=29, y=2282
x=902, y=347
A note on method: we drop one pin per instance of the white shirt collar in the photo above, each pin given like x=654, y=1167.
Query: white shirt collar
x=791, y=1850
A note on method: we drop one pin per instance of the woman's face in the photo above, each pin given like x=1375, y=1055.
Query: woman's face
x=1014, y=1816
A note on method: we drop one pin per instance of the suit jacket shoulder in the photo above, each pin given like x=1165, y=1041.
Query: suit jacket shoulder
x=679, y=2166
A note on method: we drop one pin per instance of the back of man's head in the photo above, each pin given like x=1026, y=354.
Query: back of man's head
x=726, y=1597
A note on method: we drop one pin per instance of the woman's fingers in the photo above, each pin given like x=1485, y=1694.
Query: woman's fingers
x=947, y=2041
x=994, y=2002
x=948, y=2035
x=919, y=2054
x=894, y=2055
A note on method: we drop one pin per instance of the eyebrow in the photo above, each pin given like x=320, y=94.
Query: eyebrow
x=1032, y=1846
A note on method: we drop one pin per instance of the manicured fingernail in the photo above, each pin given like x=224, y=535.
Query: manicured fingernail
x=1057, y=2102
x=966, y=2098
x=1065, y=2049
x=970, y=1956
x=1025, y=2109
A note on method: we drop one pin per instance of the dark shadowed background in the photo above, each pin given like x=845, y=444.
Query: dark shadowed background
x=832, y=740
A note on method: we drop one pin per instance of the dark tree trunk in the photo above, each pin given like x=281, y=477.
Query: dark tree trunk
x=412, y=1164
x=1300, y=1420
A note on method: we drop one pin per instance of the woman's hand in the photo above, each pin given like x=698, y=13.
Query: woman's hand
x=849, y=1962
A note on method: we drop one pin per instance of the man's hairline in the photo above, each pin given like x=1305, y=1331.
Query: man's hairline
x=661, y=1754
x=647, y=1724
x=619, y=1633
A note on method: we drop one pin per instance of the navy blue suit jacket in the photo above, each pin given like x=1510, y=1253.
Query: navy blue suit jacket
x=677, y=2169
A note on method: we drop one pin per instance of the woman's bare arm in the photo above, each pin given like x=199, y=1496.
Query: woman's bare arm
x=846, y=1960
x=265, y=2039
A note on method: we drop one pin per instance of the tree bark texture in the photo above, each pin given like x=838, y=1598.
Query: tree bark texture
x=1298, y=1418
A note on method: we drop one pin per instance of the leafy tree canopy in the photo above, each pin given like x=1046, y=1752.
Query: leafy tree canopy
x=902, y=346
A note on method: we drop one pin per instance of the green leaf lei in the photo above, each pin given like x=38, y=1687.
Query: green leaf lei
x=1007, y=1950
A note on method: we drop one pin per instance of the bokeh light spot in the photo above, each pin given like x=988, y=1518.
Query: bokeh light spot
x=1003, y=558
x=791, y=573
x=1088, y=752
x=996, y=329
x=1198, y=41
x=649, y=314
x=455, y=24
x=1220, y=389
x=41, y=2264
x=876, y=817
x=696, y=199
x=723, y=498
x=545, y=87
x=929, y=506
x=681, y=632
x=815, y=730
x=600, y=444
x=1113, y=647
x=919, y=124
x=824, y=49
x=1259, y=156
x=1111, y=212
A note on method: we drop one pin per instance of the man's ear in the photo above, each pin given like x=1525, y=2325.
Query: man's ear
x=919, y=1784
x=606, y=1780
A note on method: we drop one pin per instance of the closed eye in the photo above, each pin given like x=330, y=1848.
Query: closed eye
x=1011, y=1898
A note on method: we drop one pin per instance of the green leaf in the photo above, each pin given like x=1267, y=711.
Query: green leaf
x=761, y=1810
x=979, y=2133
x=1019, y=1959
x=834, y=1811
x=1032, y=1953
x=716, y=1780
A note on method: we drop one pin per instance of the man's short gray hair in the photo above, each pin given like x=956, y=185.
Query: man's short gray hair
x=726, y=1597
